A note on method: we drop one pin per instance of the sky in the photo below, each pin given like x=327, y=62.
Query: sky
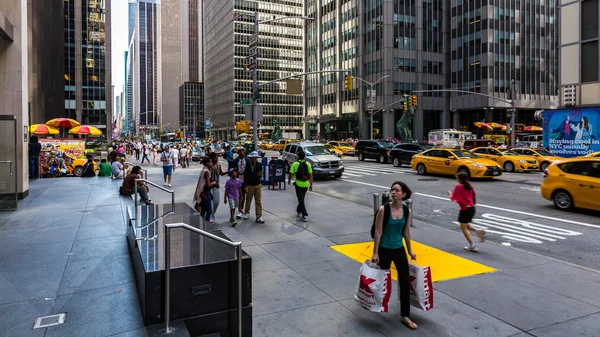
x=119, y=42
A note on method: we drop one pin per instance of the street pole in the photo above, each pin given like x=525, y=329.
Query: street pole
x=513, y=94
x=255, y=87
x=372, y=114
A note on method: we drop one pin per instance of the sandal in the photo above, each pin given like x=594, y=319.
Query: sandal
x=409, y=324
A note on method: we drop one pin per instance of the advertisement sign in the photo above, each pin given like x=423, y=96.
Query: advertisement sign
x=72, y=147
x=572, y=132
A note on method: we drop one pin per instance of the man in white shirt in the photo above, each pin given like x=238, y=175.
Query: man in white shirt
x=168, y=159
x=182, y=155
x=119, y=169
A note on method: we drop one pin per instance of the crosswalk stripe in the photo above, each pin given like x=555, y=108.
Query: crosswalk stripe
x=351, y=174
x=363, y=171
x=360, y=172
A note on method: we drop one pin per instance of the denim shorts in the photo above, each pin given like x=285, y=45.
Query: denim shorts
x=233, y=203
x=167, y=170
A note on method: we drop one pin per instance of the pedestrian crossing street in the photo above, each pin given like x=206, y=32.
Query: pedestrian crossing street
x=365, y=169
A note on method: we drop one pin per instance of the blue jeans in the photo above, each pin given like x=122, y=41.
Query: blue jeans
x=34, y=167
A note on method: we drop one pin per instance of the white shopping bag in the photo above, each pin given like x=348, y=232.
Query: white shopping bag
x=374, y=287
x=421, y=287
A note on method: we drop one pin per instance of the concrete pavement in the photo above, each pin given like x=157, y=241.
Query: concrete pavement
x=302, y=287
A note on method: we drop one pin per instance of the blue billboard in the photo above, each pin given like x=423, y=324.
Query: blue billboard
x=572, y=132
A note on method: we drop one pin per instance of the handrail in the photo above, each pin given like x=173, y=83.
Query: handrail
x=167, y=288
x=157, y=186
x=143, y=169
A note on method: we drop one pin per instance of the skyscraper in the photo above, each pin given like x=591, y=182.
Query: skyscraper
x=169, y=65
x=87, y=76
x=191, y=92
x=228, y=26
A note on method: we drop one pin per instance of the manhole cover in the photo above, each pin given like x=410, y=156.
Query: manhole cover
x=428, y=179
x=85, y=211
x=46, y=321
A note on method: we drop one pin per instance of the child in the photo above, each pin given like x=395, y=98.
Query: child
x=105, y=169
x=232, y=191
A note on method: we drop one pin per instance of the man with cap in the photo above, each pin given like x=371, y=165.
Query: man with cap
x=252, y=181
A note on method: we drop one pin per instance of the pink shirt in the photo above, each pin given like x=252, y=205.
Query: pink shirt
x=567, y=128
x=463, y=197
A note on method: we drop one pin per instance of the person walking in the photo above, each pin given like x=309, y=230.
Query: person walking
x=154, y=155
x=252, y=179
x=168, y=160
x=232, y=194
x=202, y=195
x=303, y=181
x=388, y=246
x=34, y=150
x=229, y=157
x=464, y=195
x=145, y=152
x=183, y=156
x=215, y=175
x=240, y=163
x=136, y=148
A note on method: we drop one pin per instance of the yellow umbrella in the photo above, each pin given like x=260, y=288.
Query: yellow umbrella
x=63, y=123
x=43, y=129
x=85, y=130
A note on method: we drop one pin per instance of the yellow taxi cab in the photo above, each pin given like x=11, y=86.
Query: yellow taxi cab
x=75, y=165
x=347, y=149
x=280, y=145
x=544, y=158
x=593, y=155
x=510, y=161
x=573, y=182
x=334, y=150
x=452, y=161
x=266, y=145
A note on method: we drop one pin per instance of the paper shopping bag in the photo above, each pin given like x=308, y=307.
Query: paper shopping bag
x=374, y=287
x=421, y=287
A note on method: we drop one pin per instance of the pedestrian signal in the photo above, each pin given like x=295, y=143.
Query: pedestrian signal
x=348, y=83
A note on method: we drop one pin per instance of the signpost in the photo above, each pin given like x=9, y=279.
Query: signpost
x=246, y=102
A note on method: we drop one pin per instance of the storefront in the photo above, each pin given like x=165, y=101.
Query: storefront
x=335, y=128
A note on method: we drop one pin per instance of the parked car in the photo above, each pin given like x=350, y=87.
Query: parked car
x=322, y=161
x=374, y=149
x=474, y=143
x=573, y=182
x=402, y=154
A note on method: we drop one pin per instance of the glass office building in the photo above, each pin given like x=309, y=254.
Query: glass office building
x=228, y=26
x=87, y=62
x=191, y=108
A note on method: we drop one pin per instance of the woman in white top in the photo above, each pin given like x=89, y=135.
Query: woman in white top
x=584, y=130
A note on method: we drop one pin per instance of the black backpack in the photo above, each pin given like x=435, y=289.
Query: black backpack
x=387, y=211
x=302, y=172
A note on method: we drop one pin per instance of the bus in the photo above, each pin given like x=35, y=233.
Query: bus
x=451, y=138
x=168, y=138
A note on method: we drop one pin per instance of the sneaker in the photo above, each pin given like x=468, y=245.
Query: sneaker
x=169, y=185
x=304, y=218
x=166, y=184
x=473, y=249
x=239, y=215
x=298, y=215
x=260, y=220
x=232, y=222
x=212, y=223
x=246, y=215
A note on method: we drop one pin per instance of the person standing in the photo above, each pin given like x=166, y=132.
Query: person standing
x=183, y=156
x=464, y=195
x=303, y=182
x=202, y=195
x=252, y=179
x=168, y=160
x=113, y=155
x=229, y=157
x=34, y=157
x=154, y=154
x=215, y=175
x=145, y=152
x=240, y=163
x=232, y=193
x=136, y=148
x=388, y=246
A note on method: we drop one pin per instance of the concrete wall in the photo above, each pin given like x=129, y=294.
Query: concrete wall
x=14, y=88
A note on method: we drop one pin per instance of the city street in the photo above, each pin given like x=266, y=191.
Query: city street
x=510, y=208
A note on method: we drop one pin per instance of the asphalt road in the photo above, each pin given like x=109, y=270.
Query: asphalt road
x=510, y=208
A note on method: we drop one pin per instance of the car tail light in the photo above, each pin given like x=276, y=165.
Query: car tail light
x=545, y=174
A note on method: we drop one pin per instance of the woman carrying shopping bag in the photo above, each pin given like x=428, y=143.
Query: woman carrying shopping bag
x=389, y=247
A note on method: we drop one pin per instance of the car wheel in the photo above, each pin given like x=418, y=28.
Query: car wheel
x=338, y=176
x=361, y=157
x=78, y=171
x=465, y=171
x=382, y=159
x=509, y=166
x=421, y=169
x=562, y=200
x=397, y=162
x=544, y=166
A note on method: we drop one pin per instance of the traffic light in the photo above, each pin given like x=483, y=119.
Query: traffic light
x=348, y=84
x=405, y=105
x=413, y=100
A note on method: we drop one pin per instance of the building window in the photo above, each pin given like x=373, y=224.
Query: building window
x=589, y=19
x=404, y=64
x=589, y=61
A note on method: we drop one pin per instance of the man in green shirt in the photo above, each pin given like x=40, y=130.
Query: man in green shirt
x=105, y=169
x=302, y=171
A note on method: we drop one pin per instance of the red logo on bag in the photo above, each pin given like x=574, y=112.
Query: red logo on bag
x=412, y=288
x=365, y=282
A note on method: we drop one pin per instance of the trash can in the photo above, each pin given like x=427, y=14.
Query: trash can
x=277, y=173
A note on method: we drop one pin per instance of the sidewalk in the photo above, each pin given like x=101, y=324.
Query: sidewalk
x=301, y=287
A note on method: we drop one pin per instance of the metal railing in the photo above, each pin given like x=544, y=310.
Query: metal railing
x=385, y=197
x=135, y=191
x=167, y=288
x=145, y=175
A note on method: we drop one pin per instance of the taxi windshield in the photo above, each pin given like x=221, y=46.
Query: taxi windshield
x=507, y=152
x=344, y=144
x=316, y=150
x=465, y=154
x=544, y=153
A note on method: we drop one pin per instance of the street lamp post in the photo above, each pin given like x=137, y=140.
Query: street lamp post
x=373, y=95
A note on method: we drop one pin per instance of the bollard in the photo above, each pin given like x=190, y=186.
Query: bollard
x=375, y=203
x=409, y=203
x=385, y=197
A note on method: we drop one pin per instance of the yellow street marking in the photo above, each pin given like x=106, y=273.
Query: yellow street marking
x=444, y=266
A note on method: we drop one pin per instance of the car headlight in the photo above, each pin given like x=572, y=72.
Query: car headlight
x=316, y=164
x=478, y=166
x=522, y=161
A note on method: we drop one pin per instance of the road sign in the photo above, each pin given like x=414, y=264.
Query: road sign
x=259, y=112
x=246, y=101
x=253, y=41
x=370, y=105
x=207, y=124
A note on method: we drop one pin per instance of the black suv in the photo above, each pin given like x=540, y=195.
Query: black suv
x=403, y=153
x=374, y=149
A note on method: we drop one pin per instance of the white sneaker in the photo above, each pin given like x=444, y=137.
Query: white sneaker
x=298, y=215
x=246, y=215
x=304, y=218
x=260, y=220
x=166, y=184
x=239, y=215
x=169, y=185
x=473, y=249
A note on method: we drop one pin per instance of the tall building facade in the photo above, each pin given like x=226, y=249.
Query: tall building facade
x=579, y=35
x=169, y=65
x=191, y=108
x=228, y=26
x=87, y=71
x=191, y=92
x=425, y=46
